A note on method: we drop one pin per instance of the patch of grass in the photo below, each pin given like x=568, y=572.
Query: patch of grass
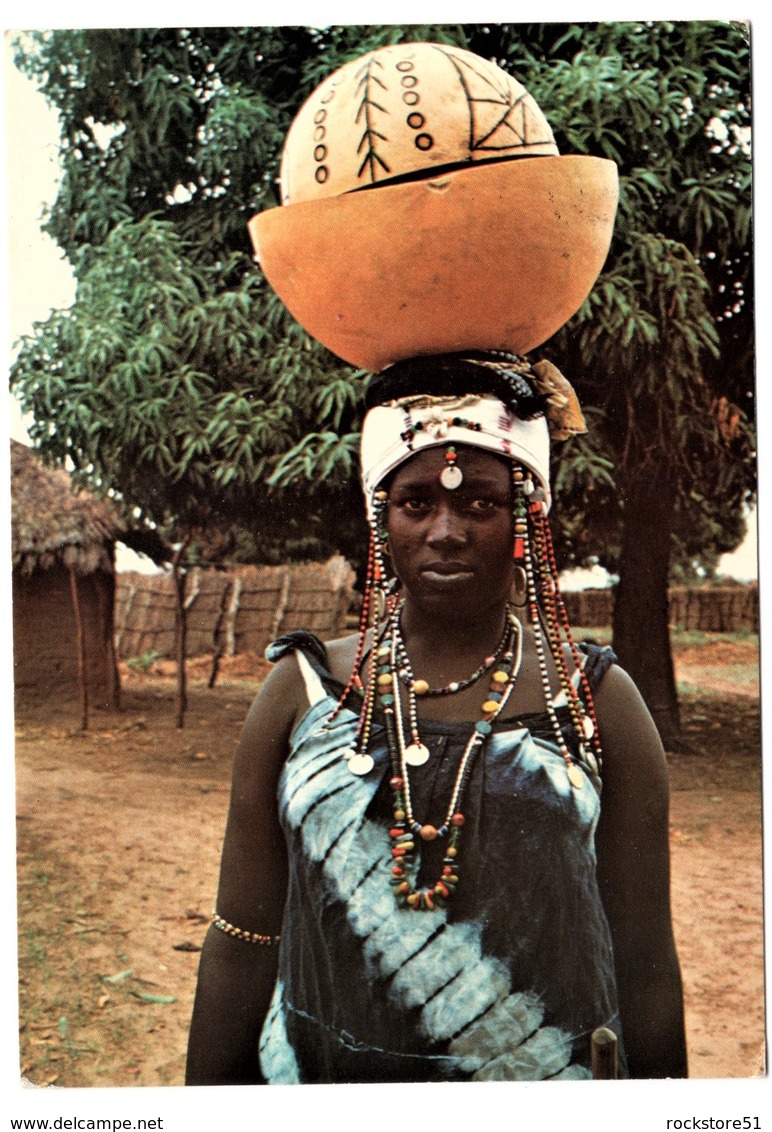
x=740, y=679
x=695, y=638
x=145, y=662
x=597, y=634
x=680, y=638
x=685, y=690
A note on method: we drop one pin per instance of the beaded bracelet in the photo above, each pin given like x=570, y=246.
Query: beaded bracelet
x=241, y=933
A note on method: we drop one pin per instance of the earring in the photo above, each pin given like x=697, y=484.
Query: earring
x=519, y=587
x=451, y=476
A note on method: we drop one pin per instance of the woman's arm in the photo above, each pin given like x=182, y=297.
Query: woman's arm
x=634, y=877
x=236, y=978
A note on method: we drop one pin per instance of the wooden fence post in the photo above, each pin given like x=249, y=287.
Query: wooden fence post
x=181, y=620
x=80, y=643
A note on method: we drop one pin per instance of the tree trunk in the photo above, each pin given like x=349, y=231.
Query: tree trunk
x=641, y=631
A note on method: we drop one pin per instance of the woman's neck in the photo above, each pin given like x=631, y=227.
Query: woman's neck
x=429, y=634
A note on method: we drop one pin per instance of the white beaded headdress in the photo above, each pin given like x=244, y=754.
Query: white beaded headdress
x=494, y=401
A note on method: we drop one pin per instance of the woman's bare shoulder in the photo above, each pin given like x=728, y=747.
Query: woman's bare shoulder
x=275, y=708
x=631, y=742
x=617, y=694
x=279, y=704
x=342, y=654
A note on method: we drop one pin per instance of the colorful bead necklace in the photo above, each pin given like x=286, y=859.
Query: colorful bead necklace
x=406, y=828
x=421, y=688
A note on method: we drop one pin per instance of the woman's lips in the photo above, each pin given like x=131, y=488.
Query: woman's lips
x=446, y=573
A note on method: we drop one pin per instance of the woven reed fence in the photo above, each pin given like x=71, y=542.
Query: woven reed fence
x=707, y=609
x=235, y=611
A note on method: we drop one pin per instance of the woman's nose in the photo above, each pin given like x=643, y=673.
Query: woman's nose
x=447, y=528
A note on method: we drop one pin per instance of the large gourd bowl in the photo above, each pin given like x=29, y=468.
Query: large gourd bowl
x=426, y=210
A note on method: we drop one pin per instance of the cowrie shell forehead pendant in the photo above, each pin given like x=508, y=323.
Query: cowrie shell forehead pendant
x=451, y=476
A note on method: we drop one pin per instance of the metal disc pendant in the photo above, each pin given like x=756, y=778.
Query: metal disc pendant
x=360, y=764
x=451, y=477
x=416, y=754
x=575, y=777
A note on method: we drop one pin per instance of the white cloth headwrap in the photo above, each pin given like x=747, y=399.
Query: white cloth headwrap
x=384, y=445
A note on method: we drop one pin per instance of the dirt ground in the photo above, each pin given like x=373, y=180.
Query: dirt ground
x=119, y=831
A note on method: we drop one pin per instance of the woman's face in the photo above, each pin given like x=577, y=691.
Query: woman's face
x=452, y=550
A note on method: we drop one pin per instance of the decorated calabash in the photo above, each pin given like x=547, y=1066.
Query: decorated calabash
x=426, y=210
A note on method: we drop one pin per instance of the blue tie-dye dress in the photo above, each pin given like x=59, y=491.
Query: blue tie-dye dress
x=505, y=983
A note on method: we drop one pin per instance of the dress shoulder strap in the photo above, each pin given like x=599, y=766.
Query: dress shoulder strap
x=597, y=663
x=312, y=660
x=308, y=643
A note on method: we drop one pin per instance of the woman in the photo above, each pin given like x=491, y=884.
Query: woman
x=452, y=901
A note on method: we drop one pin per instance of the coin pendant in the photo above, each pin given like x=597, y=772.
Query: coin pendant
x=589, y=727
x=360, y=764
x=575, y=777
x=416, y=754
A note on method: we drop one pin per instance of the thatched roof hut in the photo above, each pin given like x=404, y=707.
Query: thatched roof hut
x=63, y=544
x=51, y=524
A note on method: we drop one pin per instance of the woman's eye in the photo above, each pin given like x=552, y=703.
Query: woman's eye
x=481, y=504
x=411, y=504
